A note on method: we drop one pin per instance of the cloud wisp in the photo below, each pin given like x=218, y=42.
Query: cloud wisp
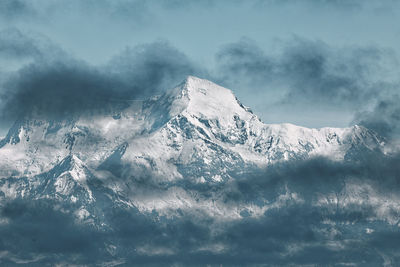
x=54, y=84
x=310, y=71
x=362, y=80
x=50, y=82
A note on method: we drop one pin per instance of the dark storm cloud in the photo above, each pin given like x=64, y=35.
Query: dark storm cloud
x=361, y=80
x=299, y=232
x=38, y=227
x=297, y=235
x=246, y=61
x=58, y=89
x=384, y=118
x=320, y=175
x=294, y=233
x=309, y=71
x=49, y=229
x=152, y=67
x=55, y=84
x=317, y=73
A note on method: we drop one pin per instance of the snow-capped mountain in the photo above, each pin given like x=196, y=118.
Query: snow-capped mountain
x=198, y=130
x=183, y=154
x=196, y=133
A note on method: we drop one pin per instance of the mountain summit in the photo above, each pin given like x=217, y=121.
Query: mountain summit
x=203, y=98
x=198, y=130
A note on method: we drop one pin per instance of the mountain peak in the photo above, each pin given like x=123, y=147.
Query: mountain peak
x=195, y=87
x=205, y=99
x=189, y=79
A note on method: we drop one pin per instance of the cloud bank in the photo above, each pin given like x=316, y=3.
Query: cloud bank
x=362, y=80
x=54, y=84
x=320, y=212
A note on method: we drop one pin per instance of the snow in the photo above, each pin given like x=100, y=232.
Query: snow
x=212, y=111
x=198, y=131
x=211, y=101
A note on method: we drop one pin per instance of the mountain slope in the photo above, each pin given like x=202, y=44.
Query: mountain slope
x=197, y=133
x=196, y=126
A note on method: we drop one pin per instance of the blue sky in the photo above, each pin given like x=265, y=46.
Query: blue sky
x=314, y=63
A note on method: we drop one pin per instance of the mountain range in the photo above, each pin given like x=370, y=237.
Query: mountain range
x=181, y=153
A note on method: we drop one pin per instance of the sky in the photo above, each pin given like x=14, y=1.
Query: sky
x=314, y=63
